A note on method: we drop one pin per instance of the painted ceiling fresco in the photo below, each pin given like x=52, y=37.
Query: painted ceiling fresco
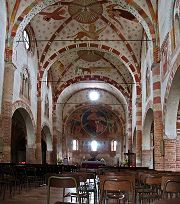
x=83, y=41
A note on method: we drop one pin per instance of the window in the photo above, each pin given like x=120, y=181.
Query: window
x=94, y=145
x=26, y=40
x=94, y=95
x=113, y=145
x=25, y=87
x=47, y=107
x=75, y=145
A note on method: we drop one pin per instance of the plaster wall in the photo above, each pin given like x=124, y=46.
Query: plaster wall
x=21, y=59
x=3, y=17
x=165, y=8
x=46, y=91
x=146, y=65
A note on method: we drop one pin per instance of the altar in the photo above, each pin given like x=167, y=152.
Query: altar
x=92, y=164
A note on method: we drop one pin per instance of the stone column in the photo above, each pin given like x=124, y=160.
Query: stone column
x=158, y=122
x=38, y=154
x=139, y=131
x=6, y=118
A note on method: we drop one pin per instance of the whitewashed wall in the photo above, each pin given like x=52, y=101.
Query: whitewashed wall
x=46, y=91
x=22, y=58
x=3, y=17
x=165, y=8
x=147, y=64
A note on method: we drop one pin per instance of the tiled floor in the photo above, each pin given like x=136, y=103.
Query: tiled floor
x=36, y=196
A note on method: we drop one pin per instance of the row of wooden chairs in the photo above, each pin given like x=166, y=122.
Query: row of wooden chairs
x=83, y=182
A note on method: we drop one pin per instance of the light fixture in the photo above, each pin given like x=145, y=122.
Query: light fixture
x=93, y=95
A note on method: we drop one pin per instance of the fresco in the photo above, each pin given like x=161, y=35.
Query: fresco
x=92, y=121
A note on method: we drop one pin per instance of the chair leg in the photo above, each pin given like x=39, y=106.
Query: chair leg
x=48, y=195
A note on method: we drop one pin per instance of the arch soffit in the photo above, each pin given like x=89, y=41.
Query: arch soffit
x=172, y=74
x=48, y=135
x=21, y=104
x=148, y=107
x=46, y=125
x=101, y=89
x=89, y=78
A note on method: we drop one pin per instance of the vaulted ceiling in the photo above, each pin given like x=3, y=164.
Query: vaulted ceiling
x=88, y=44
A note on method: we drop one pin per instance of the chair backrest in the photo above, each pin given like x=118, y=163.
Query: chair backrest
x=170, y=184
x=153, y=180
x=120, y=178
x=62, y=182
x=117, y=185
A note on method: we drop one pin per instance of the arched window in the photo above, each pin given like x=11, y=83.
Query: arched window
x=94, y=145
x=26, y=39
x=25, y=87
x=47, y=107
x=75, y=145
x=113, y=145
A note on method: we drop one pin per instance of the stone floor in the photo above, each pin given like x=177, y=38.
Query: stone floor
x=36, y=196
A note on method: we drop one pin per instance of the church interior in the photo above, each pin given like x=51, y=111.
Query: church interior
x=89, y=87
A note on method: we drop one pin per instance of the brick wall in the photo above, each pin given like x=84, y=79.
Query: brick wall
x=170, y=155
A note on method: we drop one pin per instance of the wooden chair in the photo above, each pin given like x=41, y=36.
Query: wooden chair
x=62, y=182
x=169, y=201
x=152, y=192
x=119, y=188
x=170, y=186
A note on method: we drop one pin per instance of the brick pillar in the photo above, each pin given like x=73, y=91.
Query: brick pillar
x=170, y=155
x=158, y=123
x=178, y=154
x=38, y=132
x=178, y=140
x=139, y=131
x=7, y=110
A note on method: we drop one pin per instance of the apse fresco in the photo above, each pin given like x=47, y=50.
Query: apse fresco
x=92, y=121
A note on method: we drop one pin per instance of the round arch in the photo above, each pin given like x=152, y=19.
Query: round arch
x=47, y=136
x=148, y=139
x=22, y=135
x=27, y=115
x=172, y=105
x=149, y=118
